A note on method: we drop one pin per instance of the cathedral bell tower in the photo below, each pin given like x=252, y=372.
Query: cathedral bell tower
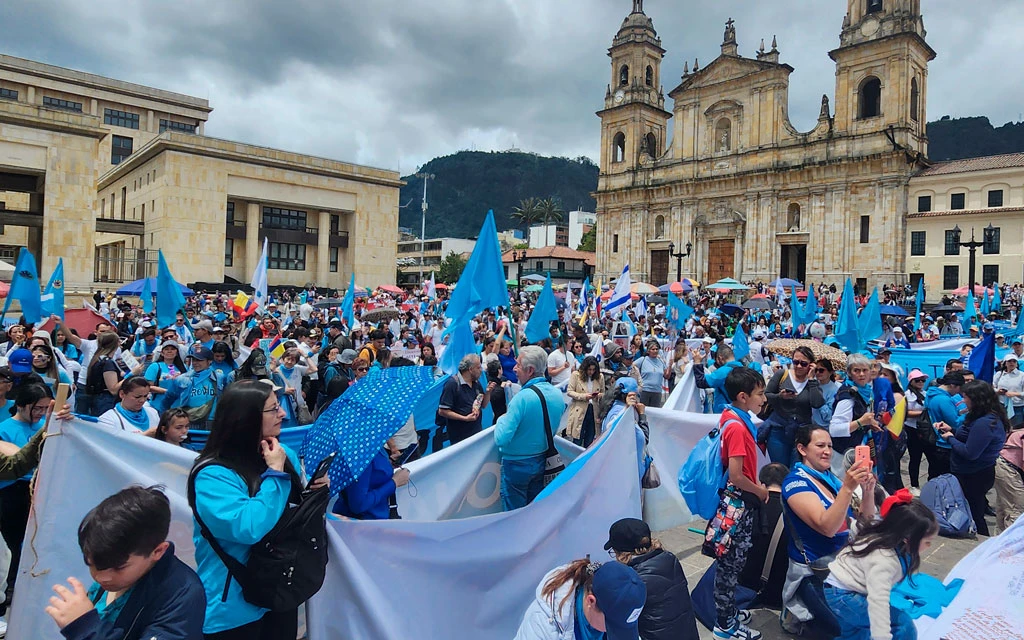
x=882, y=73
x=634, y=123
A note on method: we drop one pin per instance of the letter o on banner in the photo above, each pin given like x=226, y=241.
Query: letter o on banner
x=484, y=482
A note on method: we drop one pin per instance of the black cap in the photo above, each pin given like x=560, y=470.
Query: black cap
x=628, y=534
x=884, y=350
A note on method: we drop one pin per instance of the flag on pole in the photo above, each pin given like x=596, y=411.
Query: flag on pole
x=810, y=307
x=982, y=360
x=583, y=308
x=997, y=299
x=348, y=314
x=918, y=300
x=147, y=296
x=622, y=296
x=259, y=280
x=169, y=299
x=624, y=318
x=544, y=313
x=52, y=300
x=970, y=310
x=780, y=293
x=567, y=314
x=870, y=322
x=25, y=288
x=678, y=311
x=276, y=347
x=740, y=344
x=482, y=283
x=641, y=308
x=795, y=311
x=984, y=303
x=431, y=288
x=846, y=331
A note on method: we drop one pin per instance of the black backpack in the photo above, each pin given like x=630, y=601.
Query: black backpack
x=288, y=566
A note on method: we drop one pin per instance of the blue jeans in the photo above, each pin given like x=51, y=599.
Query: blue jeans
x=851, y=610
x=521, y=481
x=781, y=448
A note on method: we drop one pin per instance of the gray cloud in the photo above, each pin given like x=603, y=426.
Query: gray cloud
x=394, y=84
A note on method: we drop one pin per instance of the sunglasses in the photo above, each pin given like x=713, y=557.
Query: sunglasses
x=801, y=363
x=363, y=369
x=820, y=370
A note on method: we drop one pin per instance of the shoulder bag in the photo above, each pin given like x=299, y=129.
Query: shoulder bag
x=553, y=463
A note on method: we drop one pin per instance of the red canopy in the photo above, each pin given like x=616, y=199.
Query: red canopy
x=83, y=321
x=978, y=290
x=390, y=288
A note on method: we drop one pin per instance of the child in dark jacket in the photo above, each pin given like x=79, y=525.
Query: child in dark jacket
x=141, y=589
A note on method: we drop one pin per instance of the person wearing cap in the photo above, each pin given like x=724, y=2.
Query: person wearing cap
x=1018, y=348
x=160, y=373
x=884, y=358
x=914, y=424
x=1009, y=384
x=898, y=340
x=941, y=403
x=668, y=612
x=585, y=599
x=197, y=390
x=203, y=332
x=335, y=374
x=144, y=348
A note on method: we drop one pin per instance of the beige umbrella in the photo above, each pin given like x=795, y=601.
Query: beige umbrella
x=786, y=347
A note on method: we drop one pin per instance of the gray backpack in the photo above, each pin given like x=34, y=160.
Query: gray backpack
x=945, y=498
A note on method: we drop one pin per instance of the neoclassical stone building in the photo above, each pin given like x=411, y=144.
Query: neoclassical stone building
x=726, y=171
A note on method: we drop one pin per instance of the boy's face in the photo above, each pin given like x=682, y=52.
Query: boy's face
x=118, y=579
x=754, y=401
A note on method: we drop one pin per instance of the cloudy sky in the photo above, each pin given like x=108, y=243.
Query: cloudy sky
x=394, y=83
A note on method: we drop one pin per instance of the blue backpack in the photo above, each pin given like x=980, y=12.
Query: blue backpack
x=703, y=476
x=945, y=498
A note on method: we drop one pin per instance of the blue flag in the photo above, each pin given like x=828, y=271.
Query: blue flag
x=482, y=283
x=678, y=311
x=984, y=303
x=52, y=300
x=348, y=313
x=147, y=296
x=846, y=331
x=624, y=318
x=810, y=307
x=982, y=360
x=794, y=308
x=740, y=344
x=970, y=310
x=544, y=313
x=870, y=321
x=919, y=299
x=461, y=344
x=25, y=288
x=169, y=299
x=997, y=299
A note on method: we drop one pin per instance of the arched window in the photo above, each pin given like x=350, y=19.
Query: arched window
x=870, y=98
x=723, y=135
x=793, y=217
x=650, y=76
x=652, y=145
x=624, y=76
x=619, y=147
x=659, y=227
x=915, y=100
x=874, y=6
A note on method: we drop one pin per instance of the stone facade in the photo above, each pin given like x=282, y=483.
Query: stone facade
x=757, y=198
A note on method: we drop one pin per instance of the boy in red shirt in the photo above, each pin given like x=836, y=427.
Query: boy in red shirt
x=740, y=457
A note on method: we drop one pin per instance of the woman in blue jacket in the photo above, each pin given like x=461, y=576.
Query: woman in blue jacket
x=976, y=445
x=369, y=496
x=940, y=401
x=241, y=507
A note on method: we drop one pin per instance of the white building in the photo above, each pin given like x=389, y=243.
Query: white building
x=563, y=235
x=433, y=251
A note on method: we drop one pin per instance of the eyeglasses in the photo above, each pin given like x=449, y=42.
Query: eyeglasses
x=363, y=369
x=820, y=370
x=273, y=409
x=801, y=363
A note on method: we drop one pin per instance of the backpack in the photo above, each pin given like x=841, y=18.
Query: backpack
x=945, y=498
x=703, y=475
x=288, y=565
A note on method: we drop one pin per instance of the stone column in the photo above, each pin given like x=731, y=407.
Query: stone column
x=253, y=243
x=323, y=250
x=150, y=120
x=31, y=96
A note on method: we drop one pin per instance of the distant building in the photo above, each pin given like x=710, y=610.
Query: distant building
x=564, y=264
x=563, y=235
x=510, y=239
x=433, y=251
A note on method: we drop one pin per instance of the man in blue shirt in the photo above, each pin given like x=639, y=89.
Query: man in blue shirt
x=519, y=434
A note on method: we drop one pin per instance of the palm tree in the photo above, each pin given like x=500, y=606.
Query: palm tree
x=527, y=213
x=550, y=211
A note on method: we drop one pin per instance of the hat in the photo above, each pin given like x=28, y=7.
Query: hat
x=885, y=350
x=620, y=595
x=709, y=340
x=627, y=384
x=915, y=374
x=999, y=335
x=145, y=324
x=218, y=329
x=1017, y=341
x=167, y=343
x=988, y=326
x=203, y=324
x=335, y=324
x=200, y=353
x=270, y=383
x=20, y=360
x=628, y=534
x=897, y=329
x=347, y=356
x=1010, y=356
x=928, y=319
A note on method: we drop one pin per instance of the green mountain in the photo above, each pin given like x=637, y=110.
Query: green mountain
x=469, y=183
x=957, y=138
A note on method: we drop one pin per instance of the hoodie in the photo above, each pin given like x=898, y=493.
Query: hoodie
x=543, y=620
x=942, y=408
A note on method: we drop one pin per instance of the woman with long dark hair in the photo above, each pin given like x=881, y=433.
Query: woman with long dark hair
x=240, y=504
x=793, y=394
x=976, y=446
x=586, y=386
x=103, y=377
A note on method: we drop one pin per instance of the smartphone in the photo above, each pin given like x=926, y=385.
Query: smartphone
x=862, y=452
x=412, y=451
x=321, y=469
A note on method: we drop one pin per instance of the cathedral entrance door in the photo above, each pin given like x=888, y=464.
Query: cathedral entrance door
x=721, y=254
x=659, y=267
x=794, y=262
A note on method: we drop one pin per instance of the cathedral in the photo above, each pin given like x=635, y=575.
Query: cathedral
x=726, y=177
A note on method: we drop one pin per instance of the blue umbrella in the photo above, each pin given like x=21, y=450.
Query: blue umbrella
x=732, y=309
x=136, y=288
x=361, y=420
x=786, y=282
x=892, y=310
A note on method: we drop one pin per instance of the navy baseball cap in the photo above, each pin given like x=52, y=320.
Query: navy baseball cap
x=20, y=361
x=201, y=353
x=620, y=595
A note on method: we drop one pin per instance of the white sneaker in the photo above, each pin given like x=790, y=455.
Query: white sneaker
x=738, y=632
x=743, y=616
x=3, y=627
x=914, y=491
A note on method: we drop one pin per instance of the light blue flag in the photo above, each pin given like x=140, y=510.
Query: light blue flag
x=846, y=331
x=984, y=303
x=678, y=311
x=740, y=344
x=919, y=299
x=583, y=309
x=25, y=288
x=621, y=296
x=794, y=308
x=302, y=297
x=460, y=344
x=348, y=313
x=259, y=281
x=870, y=321
x=147, y=296
x=544, y=313
x=52, y=300
x=997, y=299
x=810, y=307
x=482, y=283
x=630, y=325
x=970, y=310
x=169, y=299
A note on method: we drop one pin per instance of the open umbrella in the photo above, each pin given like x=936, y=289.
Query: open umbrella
x=643, y=289
x=358, y=423
x=327, y=303
x=801, y=294
x=786, y=347
x=786, y=282
x=678, y=288
x=978, y=290
x=512, y=282
x=731, y=309
x=534, y=288
x=381, y=315
x=135, y=288
x=729, y=284
x=535, y=277
x=893, y=310
x=390, y=288
x=759, y=303
x=947, y=308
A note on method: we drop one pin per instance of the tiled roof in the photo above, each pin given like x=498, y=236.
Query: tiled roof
x=559, y=253
x=965, y=212
x=1004, y=161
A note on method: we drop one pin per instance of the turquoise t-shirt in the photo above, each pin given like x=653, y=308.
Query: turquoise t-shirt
x=17, y=432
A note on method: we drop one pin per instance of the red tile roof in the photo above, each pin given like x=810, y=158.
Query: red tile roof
x=559, y=253
x=965, y=212
x=1004, y=161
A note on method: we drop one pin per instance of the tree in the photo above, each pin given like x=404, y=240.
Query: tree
x=451, y=268
x=550, y=211
x=589, y=240
x=527, y=213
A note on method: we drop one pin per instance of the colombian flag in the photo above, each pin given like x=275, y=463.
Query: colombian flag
x=277, y=347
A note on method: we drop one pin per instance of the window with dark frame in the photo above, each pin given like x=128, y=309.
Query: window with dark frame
x=173, y=125
x=957, y=201
x=8, y=94
x=924, y=204
x=952, y=245
x=118, y=118
x=278, y=218
x=989, y=274
x=991, y=246
x=865, y=229
x=229, y=252
x=60, y=103
x=560, y=266
x=917, y=243
x=334, y=260
x=615, y=243
x=230, y=215
x=995, y=198
x=540, y=266
x=120, y=149
x=950, y=276
x=287, y=256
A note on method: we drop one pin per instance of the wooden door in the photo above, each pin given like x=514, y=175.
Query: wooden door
x=659, y=267
x=720, y=259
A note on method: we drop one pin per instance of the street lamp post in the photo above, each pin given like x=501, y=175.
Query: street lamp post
x=423, y=221
x=519, y=258
x=972, y=245
x=679, y=257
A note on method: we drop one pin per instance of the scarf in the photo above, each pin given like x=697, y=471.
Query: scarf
x=827, y=478
x=867, y=394
x=583, y=630
x=744, y=416
x=137, y=419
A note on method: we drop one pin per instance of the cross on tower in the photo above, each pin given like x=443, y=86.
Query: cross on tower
x=638, y=6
